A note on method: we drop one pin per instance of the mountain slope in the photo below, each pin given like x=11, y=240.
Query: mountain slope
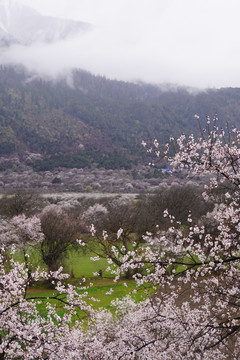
x=97, y=121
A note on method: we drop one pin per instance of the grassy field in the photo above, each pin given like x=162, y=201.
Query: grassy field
x=101, y=290
x=79, y=265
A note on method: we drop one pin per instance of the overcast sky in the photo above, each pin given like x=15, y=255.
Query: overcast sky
x=187, y=42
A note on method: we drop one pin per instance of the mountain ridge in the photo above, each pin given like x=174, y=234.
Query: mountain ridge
x=96, y=121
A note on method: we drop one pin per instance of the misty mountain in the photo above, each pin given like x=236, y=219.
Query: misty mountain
x=20, y=24
x=97, y=121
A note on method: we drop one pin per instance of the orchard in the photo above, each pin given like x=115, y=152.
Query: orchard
x=194, y=271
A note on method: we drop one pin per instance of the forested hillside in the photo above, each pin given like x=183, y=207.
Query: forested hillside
x=89, y=120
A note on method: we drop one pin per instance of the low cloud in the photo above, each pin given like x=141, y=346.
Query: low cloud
x=191, y=43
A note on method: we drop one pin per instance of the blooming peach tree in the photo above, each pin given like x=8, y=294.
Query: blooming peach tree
x=195, y=313
x=24, y=333
x=20, y=231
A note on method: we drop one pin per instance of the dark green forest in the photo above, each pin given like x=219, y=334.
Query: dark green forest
x=92, y=121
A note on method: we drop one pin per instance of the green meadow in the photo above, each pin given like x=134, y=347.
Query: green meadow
x=81, y=268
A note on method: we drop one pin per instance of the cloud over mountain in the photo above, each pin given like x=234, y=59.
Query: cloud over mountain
x=20, y=24
x=192, y=43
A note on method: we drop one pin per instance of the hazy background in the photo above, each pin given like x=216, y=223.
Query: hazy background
x=187, y=42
